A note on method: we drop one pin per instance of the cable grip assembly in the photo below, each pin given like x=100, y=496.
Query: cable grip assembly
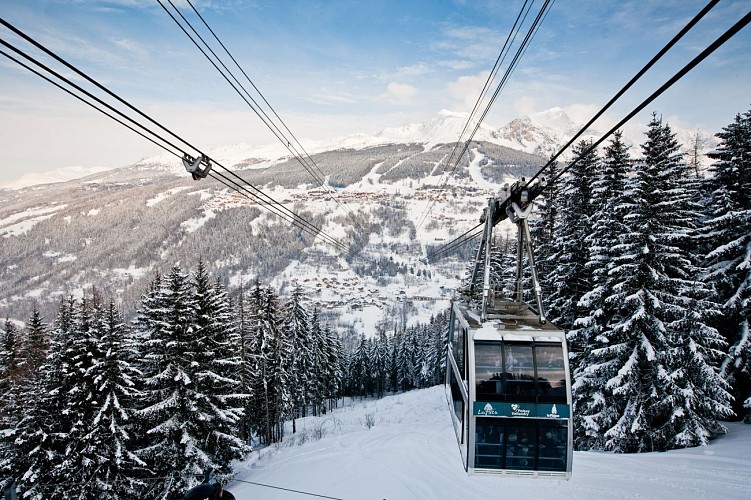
x=194, y=166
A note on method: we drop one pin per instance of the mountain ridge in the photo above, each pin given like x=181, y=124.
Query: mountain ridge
x=542, y=133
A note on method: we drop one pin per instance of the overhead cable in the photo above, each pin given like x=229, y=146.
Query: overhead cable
x=727, y=35
x=510, y=69
x=630, y=83
x=742, y=23
x=289, y=143
x=491, y=76
x=242, y=186
x=456, y=243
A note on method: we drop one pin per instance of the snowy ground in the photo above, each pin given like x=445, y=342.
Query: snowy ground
x=411, y=453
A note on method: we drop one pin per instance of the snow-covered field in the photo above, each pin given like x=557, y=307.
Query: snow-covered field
x=410, y=452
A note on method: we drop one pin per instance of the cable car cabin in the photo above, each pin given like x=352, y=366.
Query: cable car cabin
x=508, y=383
x=507, y=373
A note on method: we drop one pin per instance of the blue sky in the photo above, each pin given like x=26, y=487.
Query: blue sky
x=333, y=68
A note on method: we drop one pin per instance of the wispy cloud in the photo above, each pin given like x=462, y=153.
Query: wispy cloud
x=399, y=93
x=465, y=89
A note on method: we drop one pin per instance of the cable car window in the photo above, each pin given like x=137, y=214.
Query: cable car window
x=521, y=445
x=552, y=447
x=457, y=398
x=458, y=347
x=488, y=371
x=489, y=443
x=551, y=373
x=520, y=372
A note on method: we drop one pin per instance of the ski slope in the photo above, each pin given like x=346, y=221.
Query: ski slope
x=411, y=453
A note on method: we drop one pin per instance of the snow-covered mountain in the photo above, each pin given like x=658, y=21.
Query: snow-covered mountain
x=112, y=229
x=542, y=134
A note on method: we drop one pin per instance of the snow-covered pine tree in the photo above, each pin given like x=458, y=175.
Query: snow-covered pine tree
x=10, y=391
x=568, y=277
x=40, y=438
x=277, y=375
x=172, y=354
x=728, y=235
x=334, y=369
x=248, y=369
x=438, y=329
x=296, y=327
x=9, y=375
x=379, y=361
x=80, y=464
x=359, y=368
x=405, y=358
x=35, y=344
x=257, y=353
x=318, y=360
x=650, y=396
x=590, y=330
x=110, y=433
x=542, y=226
x=217, y=384
x=392, y=372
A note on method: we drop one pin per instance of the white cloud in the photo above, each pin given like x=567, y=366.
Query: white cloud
x=399, y=93
x=525, y=105
x=413, y=70
x=466, y=89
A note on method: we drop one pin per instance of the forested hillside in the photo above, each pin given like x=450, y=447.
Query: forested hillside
x=142, y=409
x=646, y=266
x=112, y=230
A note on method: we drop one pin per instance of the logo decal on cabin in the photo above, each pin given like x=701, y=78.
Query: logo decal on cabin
x=487, y=410
x=553, y=413
x=518, y=411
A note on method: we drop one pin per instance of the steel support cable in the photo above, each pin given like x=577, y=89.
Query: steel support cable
x=88, y=94
x=257, y=109
x=91, y=80
x=277, y=209
x=254, y=85
x=322, y=182
x=283, y=489
x=742, y=23
x=308, y=228
x=303, y=160
x=631, y=82
x=509, y=71
x=545, y=16
x=493, y=72
x=254, y=106
x=21, y=63
x=455, y=243
x=101, y=110
x=269, y=201
x=512, y=66
x=445, y=251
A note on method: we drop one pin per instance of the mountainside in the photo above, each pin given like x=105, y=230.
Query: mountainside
x=113, y=230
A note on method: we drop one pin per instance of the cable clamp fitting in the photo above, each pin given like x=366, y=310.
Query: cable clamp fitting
x=199, y=167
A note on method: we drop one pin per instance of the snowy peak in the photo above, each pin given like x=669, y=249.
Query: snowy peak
x=446, y=128
x=555, y=119
x=530, y=137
